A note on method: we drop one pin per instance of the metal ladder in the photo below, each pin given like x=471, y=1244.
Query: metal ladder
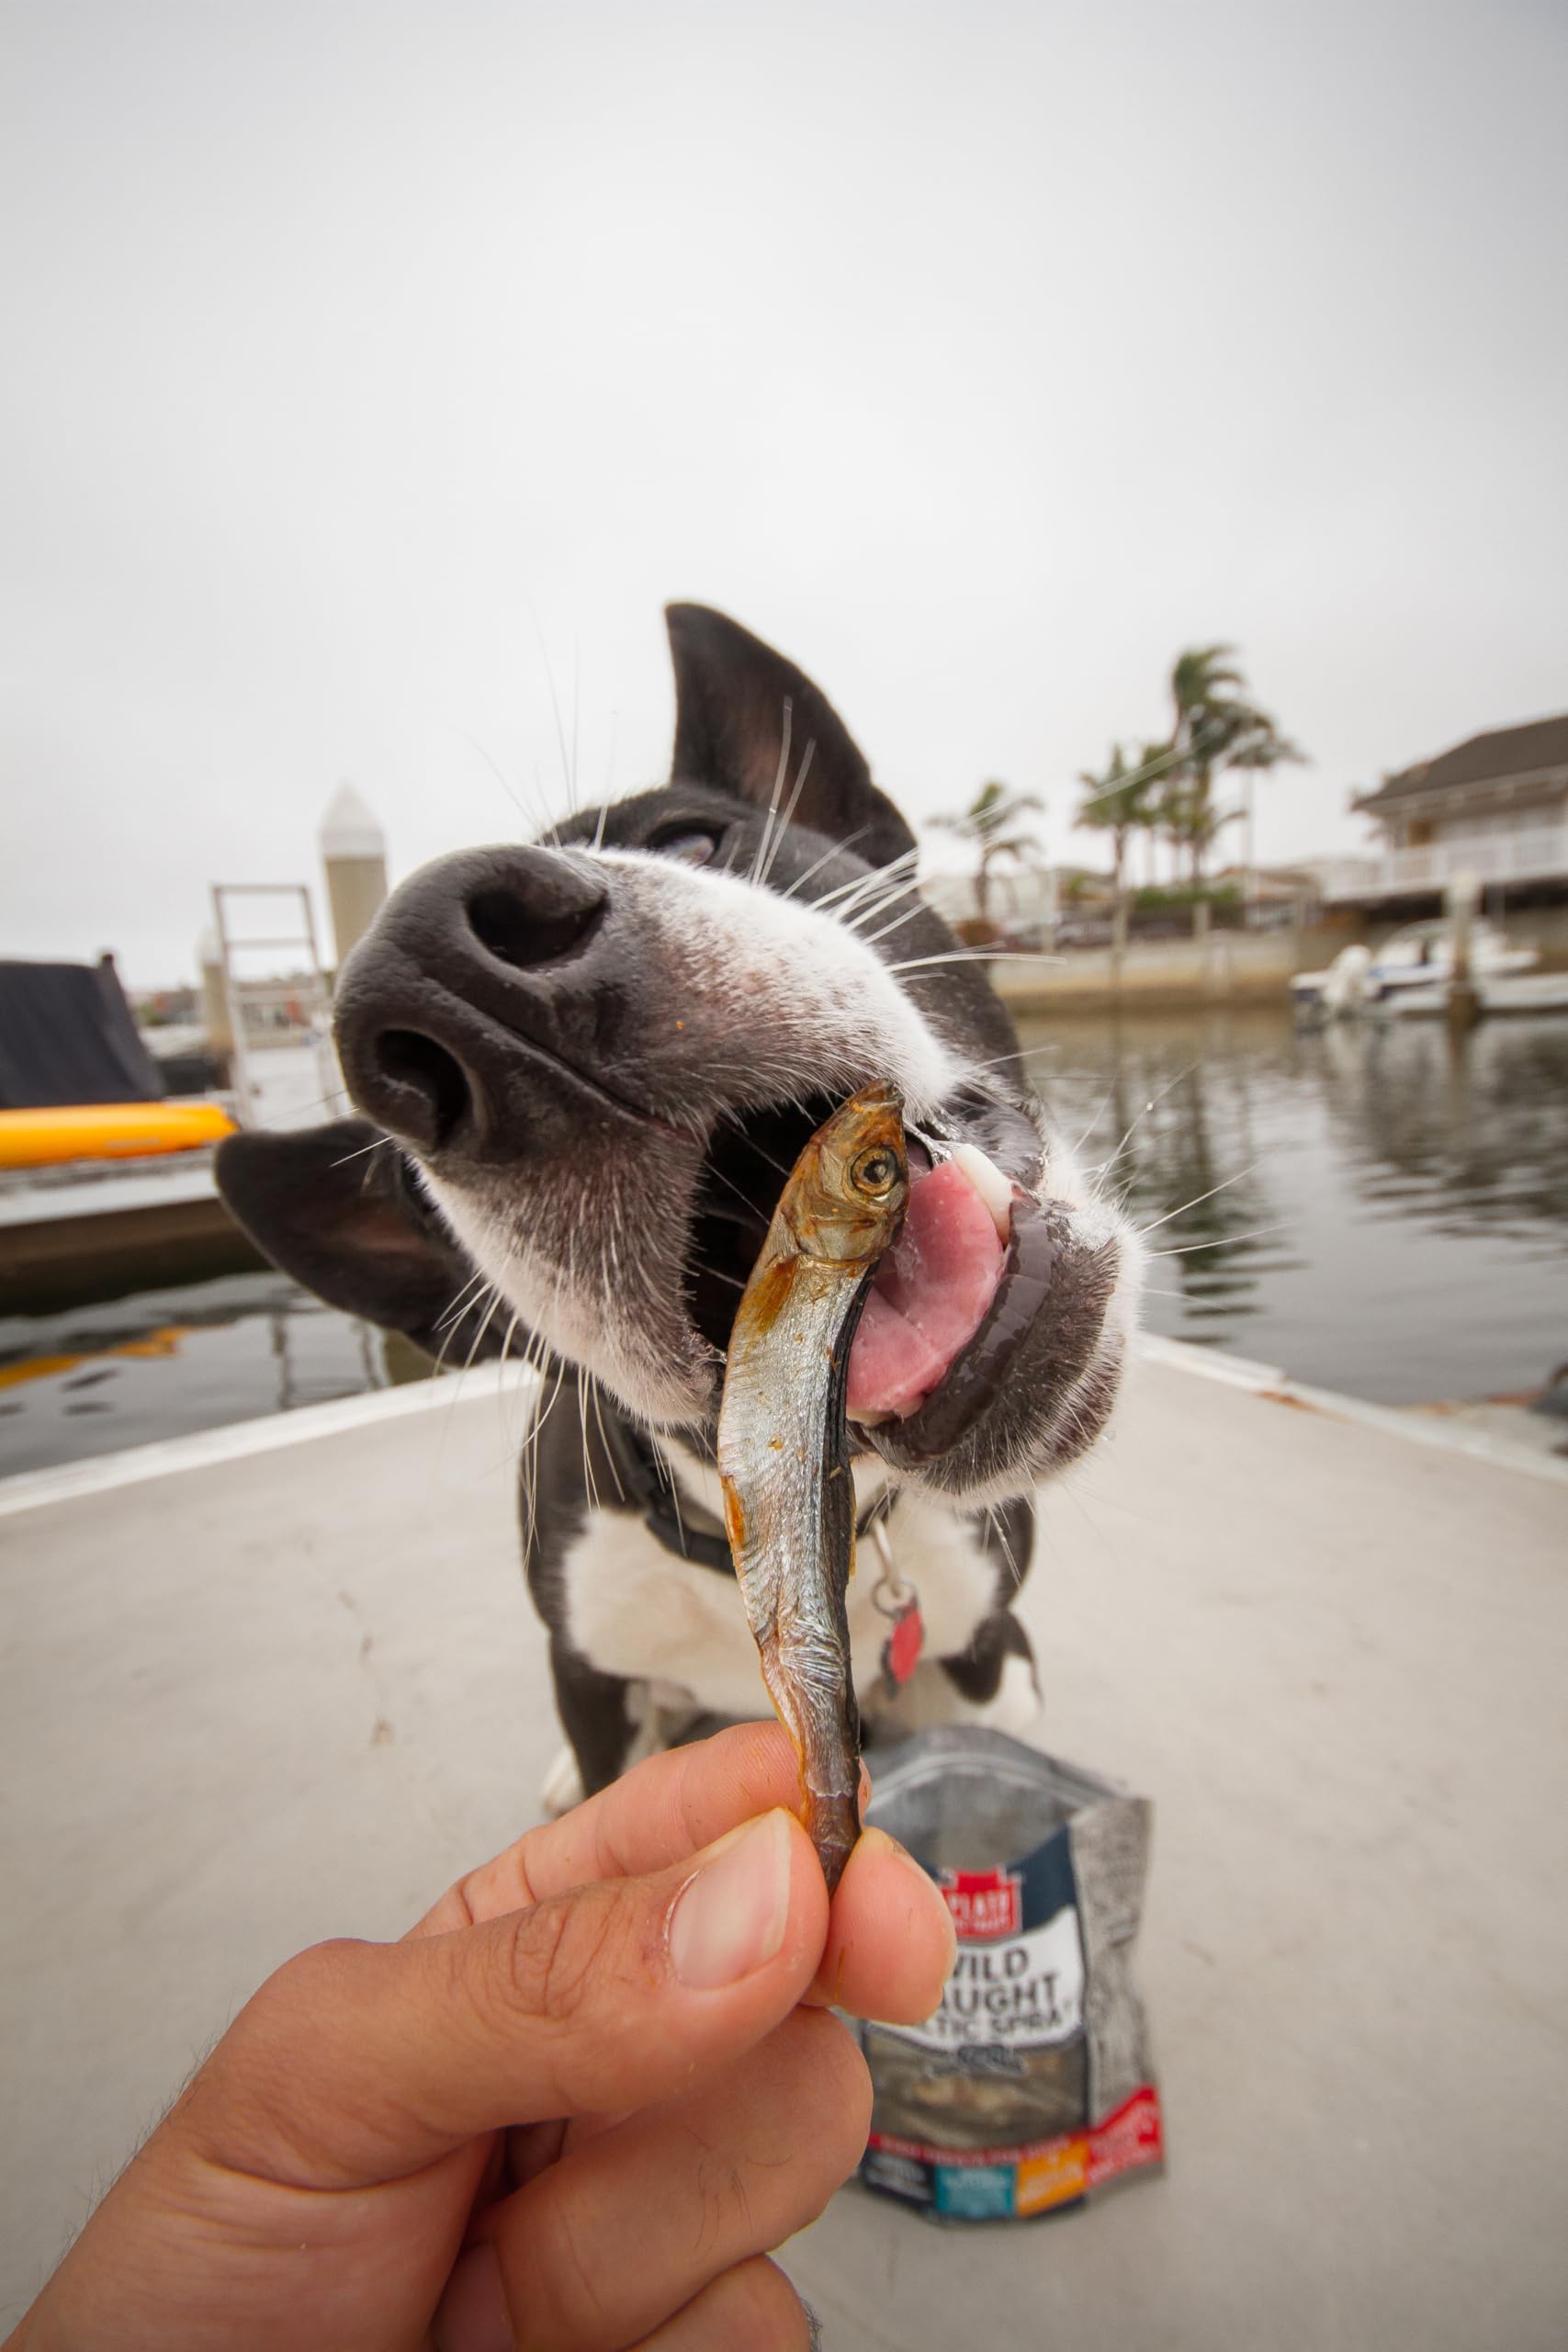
x=249, y=1090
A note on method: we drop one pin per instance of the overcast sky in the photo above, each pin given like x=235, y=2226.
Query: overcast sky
x=365, y=367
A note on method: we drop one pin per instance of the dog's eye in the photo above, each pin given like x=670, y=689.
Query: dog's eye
x=686, y=842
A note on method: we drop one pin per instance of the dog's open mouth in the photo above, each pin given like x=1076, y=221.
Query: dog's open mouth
x=950, y=1301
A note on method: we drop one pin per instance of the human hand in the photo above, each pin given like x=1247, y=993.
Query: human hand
x=573, y=2108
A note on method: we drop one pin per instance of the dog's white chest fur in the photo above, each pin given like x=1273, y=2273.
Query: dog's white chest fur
x=637, y=1610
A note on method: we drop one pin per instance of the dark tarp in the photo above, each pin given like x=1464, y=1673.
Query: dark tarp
x=66, y=1035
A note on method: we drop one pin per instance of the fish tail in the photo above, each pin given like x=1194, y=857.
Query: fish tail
x=831, y=1776
x=830, y=1810
x=832, y=1824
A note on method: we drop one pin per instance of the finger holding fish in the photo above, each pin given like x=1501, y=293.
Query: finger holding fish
x=888, y=1936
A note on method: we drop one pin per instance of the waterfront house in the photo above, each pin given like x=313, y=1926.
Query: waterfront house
x=1495, y=806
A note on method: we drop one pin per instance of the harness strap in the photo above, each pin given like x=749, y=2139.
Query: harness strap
x=685, y=1529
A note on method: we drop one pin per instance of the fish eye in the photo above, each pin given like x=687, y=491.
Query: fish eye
x=876, y=1170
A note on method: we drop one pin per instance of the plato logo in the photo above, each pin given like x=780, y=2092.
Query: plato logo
x=985, y=1905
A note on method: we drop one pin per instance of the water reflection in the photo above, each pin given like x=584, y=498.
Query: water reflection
x=126, y=1372
x=1467, y=1134
x=1371, y=1206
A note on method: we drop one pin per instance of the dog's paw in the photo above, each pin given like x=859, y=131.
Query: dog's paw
x=563, y=1785
x=1018, y=1703
x=932, y=1698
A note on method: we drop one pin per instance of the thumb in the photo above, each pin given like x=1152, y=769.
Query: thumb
x=360, y=2063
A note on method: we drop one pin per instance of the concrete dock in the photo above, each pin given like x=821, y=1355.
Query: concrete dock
x=274, y=1683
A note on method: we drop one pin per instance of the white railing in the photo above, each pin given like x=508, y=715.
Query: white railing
x=1534, y=856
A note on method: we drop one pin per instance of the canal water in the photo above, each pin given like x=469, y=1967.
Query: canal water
x=1369, y=1208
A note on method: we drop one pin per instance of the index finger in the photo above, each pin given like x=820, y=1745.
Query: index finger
x=669, y=1806
x=889, y=1946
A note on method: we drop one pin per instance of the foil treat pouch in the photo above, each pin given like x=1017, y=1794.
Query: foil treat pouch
x=1032, y=2087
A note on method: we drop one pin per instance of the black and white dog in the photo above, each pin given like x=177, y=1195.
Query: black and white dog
x=593, y=1061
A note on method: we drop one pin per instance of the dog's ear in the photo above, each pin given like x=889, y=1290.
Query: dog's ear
x=332, y=1205
x=732, y=692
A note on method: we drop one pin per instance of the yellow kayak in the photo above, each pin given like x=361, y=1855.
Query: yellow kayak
x=107, y=1130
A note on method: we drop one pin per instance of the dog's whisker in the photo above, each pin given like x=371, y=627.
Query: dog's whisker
x=674, y=1486
x=838, y=849
x=588, y=1480
x=872, y=910
x=543, y=1407
x=882, y=882
x=455, y=1321
x=1198, y=1199
x=1094, y=1119
x=910, y=914
x=862, y=883
x=495, y=1301
x=364, y=1149
x=755, y=1146
x=501, y=776
x=791, y=806
x=608, y=1450
x=534, y=1359
x=778, y=788
x=610, y=759
x=730, y=1185
x=567, y=765
x=976, y=956
x=1223, y=1240
x=576, y=712
x=1153, y=1102
x=995, y=1061
x=454, y=1313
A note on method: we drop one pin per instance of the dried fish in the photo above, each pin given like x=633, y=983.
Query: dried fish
x=784, y=1453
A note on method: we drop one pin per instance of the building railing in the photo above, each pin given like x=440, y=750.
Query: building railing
x=1538, y=854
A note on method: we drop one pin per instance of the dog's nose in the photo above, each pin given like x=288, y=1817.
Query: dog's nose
x=465, y=965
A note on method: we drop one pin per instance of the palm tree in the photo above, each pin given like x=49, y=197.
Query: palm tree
x=1194, y=825
x=1202, y=678
x=1217, y=727
x=1254, y=755
x=1117, y=802
x=1206, y=691
x=987, y=823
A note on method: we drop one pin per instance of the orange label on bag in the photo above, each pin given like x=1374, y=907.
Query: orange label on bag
x=1056, y=2177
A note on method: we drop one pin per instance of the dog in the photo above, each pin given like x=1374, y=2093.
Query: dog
x=584, y=1068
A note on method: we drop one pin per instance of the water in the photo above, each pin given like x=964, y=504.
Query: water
x=166, y=1362
x=1385, y=1214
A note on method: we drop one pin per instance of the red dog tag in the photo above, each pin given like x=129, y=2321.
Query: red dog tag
x=901, y=1650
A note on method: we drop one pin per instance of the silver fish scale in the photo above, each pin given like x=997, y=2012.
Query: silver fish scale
x=782, y=1447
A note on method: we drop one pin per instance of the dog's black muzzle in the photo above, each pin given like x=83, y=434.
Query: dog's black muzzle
x=472, y=1017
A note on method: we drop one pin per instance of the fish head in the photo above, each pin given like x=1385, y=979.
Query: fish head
x=849, y=1188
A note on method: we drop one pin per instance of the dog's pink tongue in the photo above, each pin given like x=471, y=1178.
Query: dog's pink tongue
x=929, y=1296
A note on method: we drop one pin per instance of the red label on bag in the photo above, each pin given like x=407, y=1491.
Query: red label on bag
x=985, y=1905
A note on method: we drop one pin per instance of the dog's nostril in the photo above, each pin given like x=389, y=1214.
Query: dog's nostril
x=525, y=932
x=431, y=1091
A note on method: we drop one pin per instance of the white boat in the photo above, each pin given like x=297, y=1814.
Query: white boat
x=1415, y=961
x=1500, y=992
